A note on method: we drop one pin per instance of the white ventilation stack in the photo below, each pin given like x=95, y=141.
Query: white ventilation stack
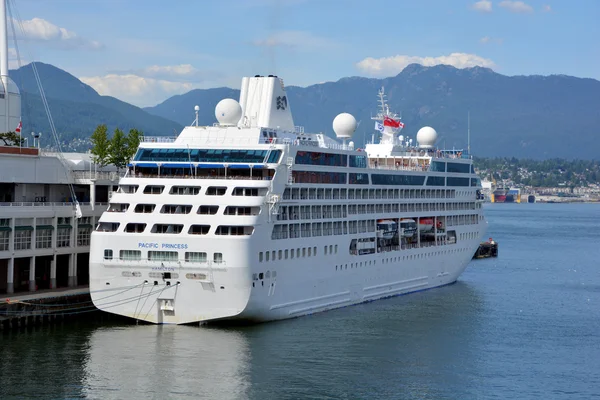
x=10, y=97
x=265, y=104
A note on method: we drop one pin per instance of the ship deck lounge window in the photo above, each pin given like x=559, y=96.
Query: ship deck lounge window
x=185, y=190
x=319, y=177
x=358, y=161
x=129, y=255
x=384, y=179
x=167, y=228
x=135, y=227
x=234, y=230
x=144, y=208
x=199, y=229
x=176, y=209
x=153, y=189
x=458, y=181
x=318, y=158
x=107, y=226
x=195, y=257
x=358, y=179
x=202, y=155
x=436, y=181
x=437, y=166
x=459, y=167
x=162, y=255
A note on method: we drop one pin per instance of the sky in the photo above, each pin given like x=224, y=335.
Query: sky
x=144, y=51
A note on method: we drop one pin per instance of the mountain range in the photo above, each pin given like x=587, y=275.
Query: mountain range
x=510, y=116
x=77, y=108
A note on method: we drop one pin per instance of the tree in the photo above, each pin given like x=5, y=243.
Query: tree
x=118, y=149
x=100, y=146
x=133, y=141
x=11, y=139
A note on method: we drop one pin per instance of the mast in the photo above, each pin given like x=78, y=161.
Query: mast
x=469, y=132
x=4, y=63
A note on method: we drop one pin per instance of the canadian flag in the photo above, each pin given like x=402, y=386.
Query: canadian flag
x=18, y=130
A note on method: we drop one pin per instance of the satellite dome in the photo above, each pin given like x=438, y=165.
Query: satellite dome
x=344, y=125
x=426, y=137
x=228, y=112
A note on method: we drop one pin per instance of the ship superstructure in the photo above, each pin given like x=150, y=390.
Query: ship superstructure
x=253, y=219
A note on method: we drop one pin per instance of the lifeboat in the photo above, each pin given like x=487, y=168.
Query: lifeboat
x=408, y=227
x=425, y=224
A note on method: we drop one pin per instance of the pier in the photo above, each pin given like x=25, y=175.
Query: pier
x=44, y=307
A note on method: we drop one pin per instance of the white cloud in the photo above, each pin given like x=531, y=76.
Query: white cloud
x=178, y=73
x=517, y=7
x=546, y=8
x=483, y=6
x=39, y=29
x=295, y=39
x=490, y=40
x=136, y=89
x=387, y=66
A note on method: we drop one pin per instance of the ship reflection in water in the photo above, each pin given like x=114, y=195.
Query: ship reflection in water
x=403, y=346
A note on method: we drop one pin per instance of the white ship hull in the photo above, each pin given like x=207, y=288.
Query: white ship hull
x=252, y=219
x=295, y=287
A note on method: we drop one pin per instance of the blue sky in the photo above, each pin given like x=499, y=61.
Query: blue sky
x=146, y=51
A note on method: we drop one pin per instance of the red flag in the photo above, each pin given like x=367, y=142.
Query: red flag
x=387, y=121
x=18, y=130
x=401, y=124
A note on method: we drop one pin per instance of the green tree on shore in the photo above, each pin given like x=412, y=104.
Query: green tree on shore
x=119, y=149
x=133, y=141
x=100, y=146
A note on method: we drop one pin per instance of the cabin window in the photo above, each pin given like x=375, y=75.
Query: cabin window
x=108, y=254
x=144, y=208
x=135, y=227
x=175, y=209
x=107, y=226
x=216, y=191
x=185, y=190
x=194, y=256
x=153, y=189
x=199, y=229
x=130, y=255
x=162, y=255
x=167, y=228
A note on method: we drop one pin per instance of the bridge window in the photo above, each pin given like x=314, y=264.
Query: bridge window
x=162, y=255
x=128, y=189
x=130, y=255
x=195, y=257
x=458, y=181
x=438, y=166
x=358, y=161
x=436, y=181
x=202, y=155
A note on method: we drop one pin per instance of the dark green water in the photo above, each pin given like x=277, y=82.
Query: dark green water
x=523, y=326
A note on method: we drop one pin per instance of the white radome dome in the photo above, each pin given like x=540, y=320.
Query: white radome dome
x=228, y=112
x=426, y=137
x=344, y=125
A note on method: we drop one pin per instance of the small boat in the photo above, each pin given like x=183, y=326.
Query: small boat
x=425, y=224
x=386, y=229
x=408, y=227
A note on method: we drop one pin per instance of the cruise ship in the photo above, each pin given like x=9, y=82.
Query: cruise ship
x=253, y=219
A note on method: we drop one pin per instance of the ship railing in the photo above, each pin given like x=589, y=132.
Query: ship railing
x=158, y=139
x=229, y=177
x=47, y=204
x=400, y=167
x=98, y=175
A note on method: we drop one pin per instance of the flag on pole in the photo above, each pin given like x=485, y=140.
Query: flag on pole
x=18, y=129
x=387, y=121
x=378, y=126
x=400, y=124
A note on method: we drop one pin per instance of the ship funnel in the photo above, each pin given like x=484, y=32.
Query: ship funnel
x=265, y=103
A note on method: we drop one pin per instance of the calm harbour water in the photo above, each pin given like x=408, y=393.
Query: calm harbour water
x=525, y=325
